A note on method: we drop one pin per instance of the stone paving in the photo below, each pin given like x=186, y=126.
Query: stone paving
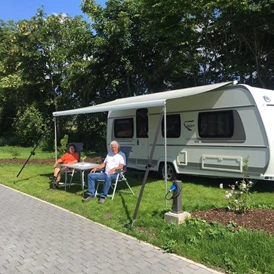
x=37, y=237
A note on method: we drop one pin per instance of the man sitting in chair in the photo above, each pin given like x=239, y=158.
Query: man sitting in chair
x=68, y=158
x=113, y=161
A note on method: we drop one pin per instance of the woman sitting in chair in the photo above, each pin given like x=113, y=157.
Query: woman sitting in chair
x=71, y=156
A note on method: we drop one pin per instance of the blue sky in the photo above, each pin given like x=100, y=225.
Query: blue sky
x=24, y=9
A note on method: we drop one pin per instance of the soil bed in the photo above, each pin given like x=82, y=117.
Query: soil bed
x=47, y=161
x=253, y=219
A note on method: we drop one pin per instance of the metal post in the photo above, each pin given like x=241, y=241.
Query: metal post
x=165, y=152
x=55, y=138
x=177, y=197
x=149, y=165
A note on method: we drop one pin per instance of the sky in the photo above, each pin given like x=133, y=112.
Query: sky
x=24, y=9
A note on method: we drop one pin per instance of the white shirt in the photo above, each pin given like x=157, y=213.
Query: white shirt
x=113, y=161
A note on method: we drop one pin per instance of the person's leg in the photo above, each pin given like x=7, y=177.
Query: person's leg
x=91, y=184
x=57, y=175
x=92, y=177
x=58, y=179
x=107, y=183
x=56, y=171
x=54, y=178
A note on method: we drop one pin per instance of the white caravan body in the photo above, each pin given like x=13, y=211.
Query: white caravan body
x=221, y=131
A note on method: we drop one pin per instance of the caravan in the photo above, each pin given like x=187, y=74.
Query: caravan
x=220, y=130
x=226, y=131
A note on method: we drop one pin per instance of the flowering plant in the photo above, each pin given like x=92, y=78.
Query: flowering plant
x=83, y=158
x=239, y=194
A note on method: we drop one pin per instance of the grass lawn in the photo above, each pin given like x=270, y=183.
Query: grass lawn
x=212, y=245
x=8, y=152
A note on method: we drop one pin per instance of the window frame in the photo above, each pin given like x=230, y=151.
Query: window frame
x=177, y=131
x=211, y=121
x=124, y=128
x=142, y=123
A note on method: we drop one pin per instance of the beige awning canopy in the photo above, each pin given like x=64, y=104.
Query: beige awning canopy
x=142, y=101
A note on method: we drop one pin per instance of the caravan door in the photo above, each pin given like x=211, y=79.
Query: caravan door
x=142, y=138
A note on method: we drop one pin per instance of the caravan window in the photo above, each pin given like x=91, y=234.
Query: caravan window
x=173, y=126
x=123, y=128
x=142, y=123
x=216, y=124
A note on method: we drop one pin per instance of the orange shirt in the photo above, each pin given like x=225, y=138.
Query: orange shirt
x=68, y=158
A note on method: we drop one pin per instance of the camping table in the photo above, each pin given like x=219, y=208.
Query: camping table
x=82, y=167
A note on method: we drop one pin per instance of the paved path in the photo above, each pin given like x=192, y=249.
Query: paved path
x=37, y=237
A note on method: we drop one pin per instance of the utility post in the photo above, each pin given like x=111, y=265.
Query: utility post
x=176, y=215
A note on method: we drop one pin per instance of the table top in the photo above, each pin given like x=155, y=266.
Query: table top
x=81, y=165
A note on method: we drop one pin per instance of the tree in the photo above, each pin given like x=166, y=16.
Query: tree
x=45, y=60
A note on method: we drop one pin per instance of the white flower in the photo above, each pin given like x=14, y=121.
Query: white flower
x=228, y=195
x=221, y=186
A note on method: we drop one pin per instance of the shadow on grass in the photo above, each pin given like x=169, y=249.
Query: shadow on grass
x=135, y=179
x=25, y=179
x=160, y=213
x=127, y=225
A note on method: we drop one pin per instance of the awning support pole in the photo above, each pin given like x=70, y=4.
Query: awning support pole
x=165, y=154
x=55, y=138
x=149, y=165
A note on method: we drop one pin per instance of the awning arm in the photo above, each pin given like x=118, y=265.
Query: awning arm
x=149, y=165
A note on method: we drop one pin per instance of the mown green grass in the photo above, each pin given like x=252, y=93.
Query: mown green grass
x=213, y=245
x=7, y=152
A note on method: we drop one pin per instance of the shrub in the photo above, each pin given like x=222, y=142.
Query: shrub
x=15, y=152
x=239, y=194
x=63, y=145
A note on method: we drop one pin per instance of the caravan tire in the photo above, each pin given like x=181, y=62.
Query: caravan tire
x=170, y=171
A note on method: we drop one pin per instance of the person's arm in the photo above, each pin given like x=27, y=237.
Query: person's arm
x=72, y=162
x=98, y=167
x=113, y=170
x=119, y=167
x=59, y=161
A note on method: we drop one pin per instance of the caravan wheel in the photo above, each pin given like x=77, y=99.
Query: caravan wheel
x=170, y=171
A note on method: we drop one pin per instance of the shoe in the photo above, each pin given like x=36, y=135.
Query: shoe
x=55, y=187
x=89, y=198
x=101, y=200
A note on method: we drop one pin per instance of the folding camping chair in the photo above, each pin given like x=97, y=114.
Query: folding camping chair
x=124, y=151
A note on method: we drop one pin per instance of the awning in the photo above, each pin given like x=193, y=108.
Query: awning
x=142, y=101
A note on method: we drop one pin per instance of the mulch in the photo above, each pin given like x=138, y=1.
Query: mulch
x=253, y=219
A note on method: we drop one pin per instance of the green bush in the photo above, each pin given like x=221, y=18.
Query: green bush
x=63, y=146
x=28, y=125
x=15, y=152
